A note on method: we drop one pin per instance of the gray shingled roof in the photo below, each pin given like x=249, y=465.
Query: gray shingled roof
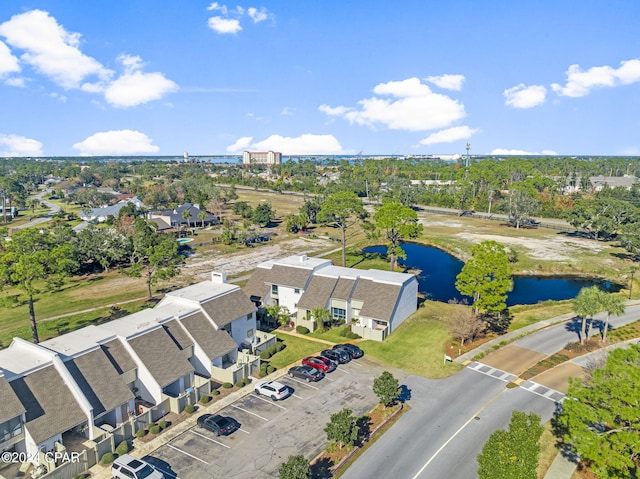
x=99, y=381
x=379, y=299
x=290, y=276
x=51, y=408
x=119, y=356
x=228, y=307
x=178, y=334
x=256, y=286
x=161, y=356
x=213, y=342
x=317, y=293
x=343, y=289
x=11, y=405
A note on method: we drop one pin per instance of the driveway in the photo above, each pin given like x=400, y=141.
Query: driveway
x=272, y=431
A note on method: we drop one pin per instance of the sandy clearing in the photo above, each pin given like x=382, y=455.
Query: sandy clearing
x=199, y=266
x=558, y=248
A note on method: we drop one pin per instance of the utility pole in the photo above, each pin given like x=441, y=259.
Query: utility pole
x=468, y=147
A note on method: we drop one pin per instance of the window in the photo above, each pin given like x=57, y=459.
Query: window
x=274, y=289
x=250, y=333
x=338, y=313
x=249, y=316
x=296, y=290
x=11, y=428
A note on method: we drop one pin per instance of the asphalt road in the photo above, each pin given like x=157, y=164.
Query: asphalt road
x=555, y=338
x=449, y=422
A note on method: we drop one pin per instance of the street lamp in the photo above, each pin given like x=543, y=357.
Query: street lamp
x=631, y=284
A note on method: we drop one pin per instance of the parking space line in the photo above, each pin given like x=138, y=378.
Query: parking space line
x=328, y=379
x=342, y=370
x=249, y=412
x=303, y=383
x=209, y=439
x=187, y=454
x=270, y=402
x=296, y=396
x=246, y=432
x=356, y=364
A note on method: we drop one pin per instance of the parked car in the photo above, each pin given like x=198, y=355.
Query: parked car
x=273, y=389
x=319, y=362
x=219, y=425
x=353, y=350
x=337, y=355
x=307, y=373
x=127, y=467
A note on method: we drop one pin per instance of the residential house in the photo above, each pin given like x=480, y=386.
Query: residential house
x=51, y=402
x=373, y=302
x=174, y=219
x=100, y=215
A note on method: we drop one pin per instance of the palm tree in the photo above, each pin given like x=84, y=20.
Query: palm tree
x=186, y=215
x=586, y=305
x=613, y=304
x=322, y=316
x=202, y=215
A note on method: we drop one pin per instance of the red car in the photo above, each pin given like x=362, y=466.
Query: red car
x=318, y=362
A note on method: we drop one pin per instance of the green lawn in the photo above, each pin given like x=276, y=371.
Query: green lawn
x=417, y=346
x=296, y=349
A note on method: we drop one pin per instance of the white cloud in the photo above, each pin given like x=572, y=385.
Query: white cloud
x=580, y=82
x=505, y=151
x=116, y=142
x=224, y=25
x=50, y=49
x=288, y=111
x=228, y=21
x=448, y=82
x=306, y=144
x=523, y=96
x=8, y=63
x=450, y=135
x=257, y=15
x=216, y=7
x=134, y=87
x=16, y=81
x=241, y=144
x=413, y=107
x=14, y=145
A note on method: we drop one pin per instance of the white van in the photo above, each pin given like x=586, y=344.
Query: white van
x=129, y=467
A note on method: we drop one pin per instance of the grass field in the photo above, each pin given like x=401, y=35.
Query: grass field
x=296, y=349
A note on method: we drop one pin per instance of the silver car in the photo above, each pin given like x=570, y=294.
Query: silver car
x=127, y=467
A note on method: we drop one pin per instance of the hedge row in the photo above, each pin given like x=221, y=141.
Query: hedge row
x=271, y=350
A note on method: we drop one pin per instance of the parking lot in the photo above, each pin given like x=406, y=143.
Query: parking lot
x=271, y=431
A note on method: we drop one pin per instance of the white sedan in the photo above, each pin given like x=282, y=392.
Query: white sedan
x=273, y=389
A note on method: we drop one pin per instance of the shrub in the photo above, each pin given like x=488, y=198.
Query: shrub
x=246, y=381
x=190, y=408
x=205, y=399
x=270, y=369
x=141, y=432
x=227, y=385
x=162, y=425
x=280, y=346
x=107, y=458
x=351, y=335
x=302, y=330
x=122, y=448
x=344, y=331
x=215, y=392
x=239, y=383
x=155, y=429
x=262, y=373
x=266, y=354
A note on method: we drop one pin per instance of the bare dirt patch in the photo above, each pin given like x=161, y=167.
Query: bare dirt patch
x=557, y=248
x=199, y=266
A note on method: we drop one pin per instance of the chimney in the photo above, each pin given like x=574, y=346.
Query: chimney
x=219, y=277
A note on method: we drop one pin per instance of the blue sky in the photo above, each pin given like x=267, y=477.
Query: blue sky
x=147, y=77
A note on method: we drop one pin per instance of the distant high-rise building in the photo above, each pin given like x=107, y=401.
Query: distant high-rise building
x=261, y=158
x=186, y=156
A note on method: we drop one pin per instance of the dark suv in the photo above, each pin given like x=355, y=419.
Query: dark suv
x=337, y=355
x=353, y=350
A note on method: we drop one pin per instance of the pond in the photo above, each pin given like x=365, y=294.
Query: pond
x=439, y=270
